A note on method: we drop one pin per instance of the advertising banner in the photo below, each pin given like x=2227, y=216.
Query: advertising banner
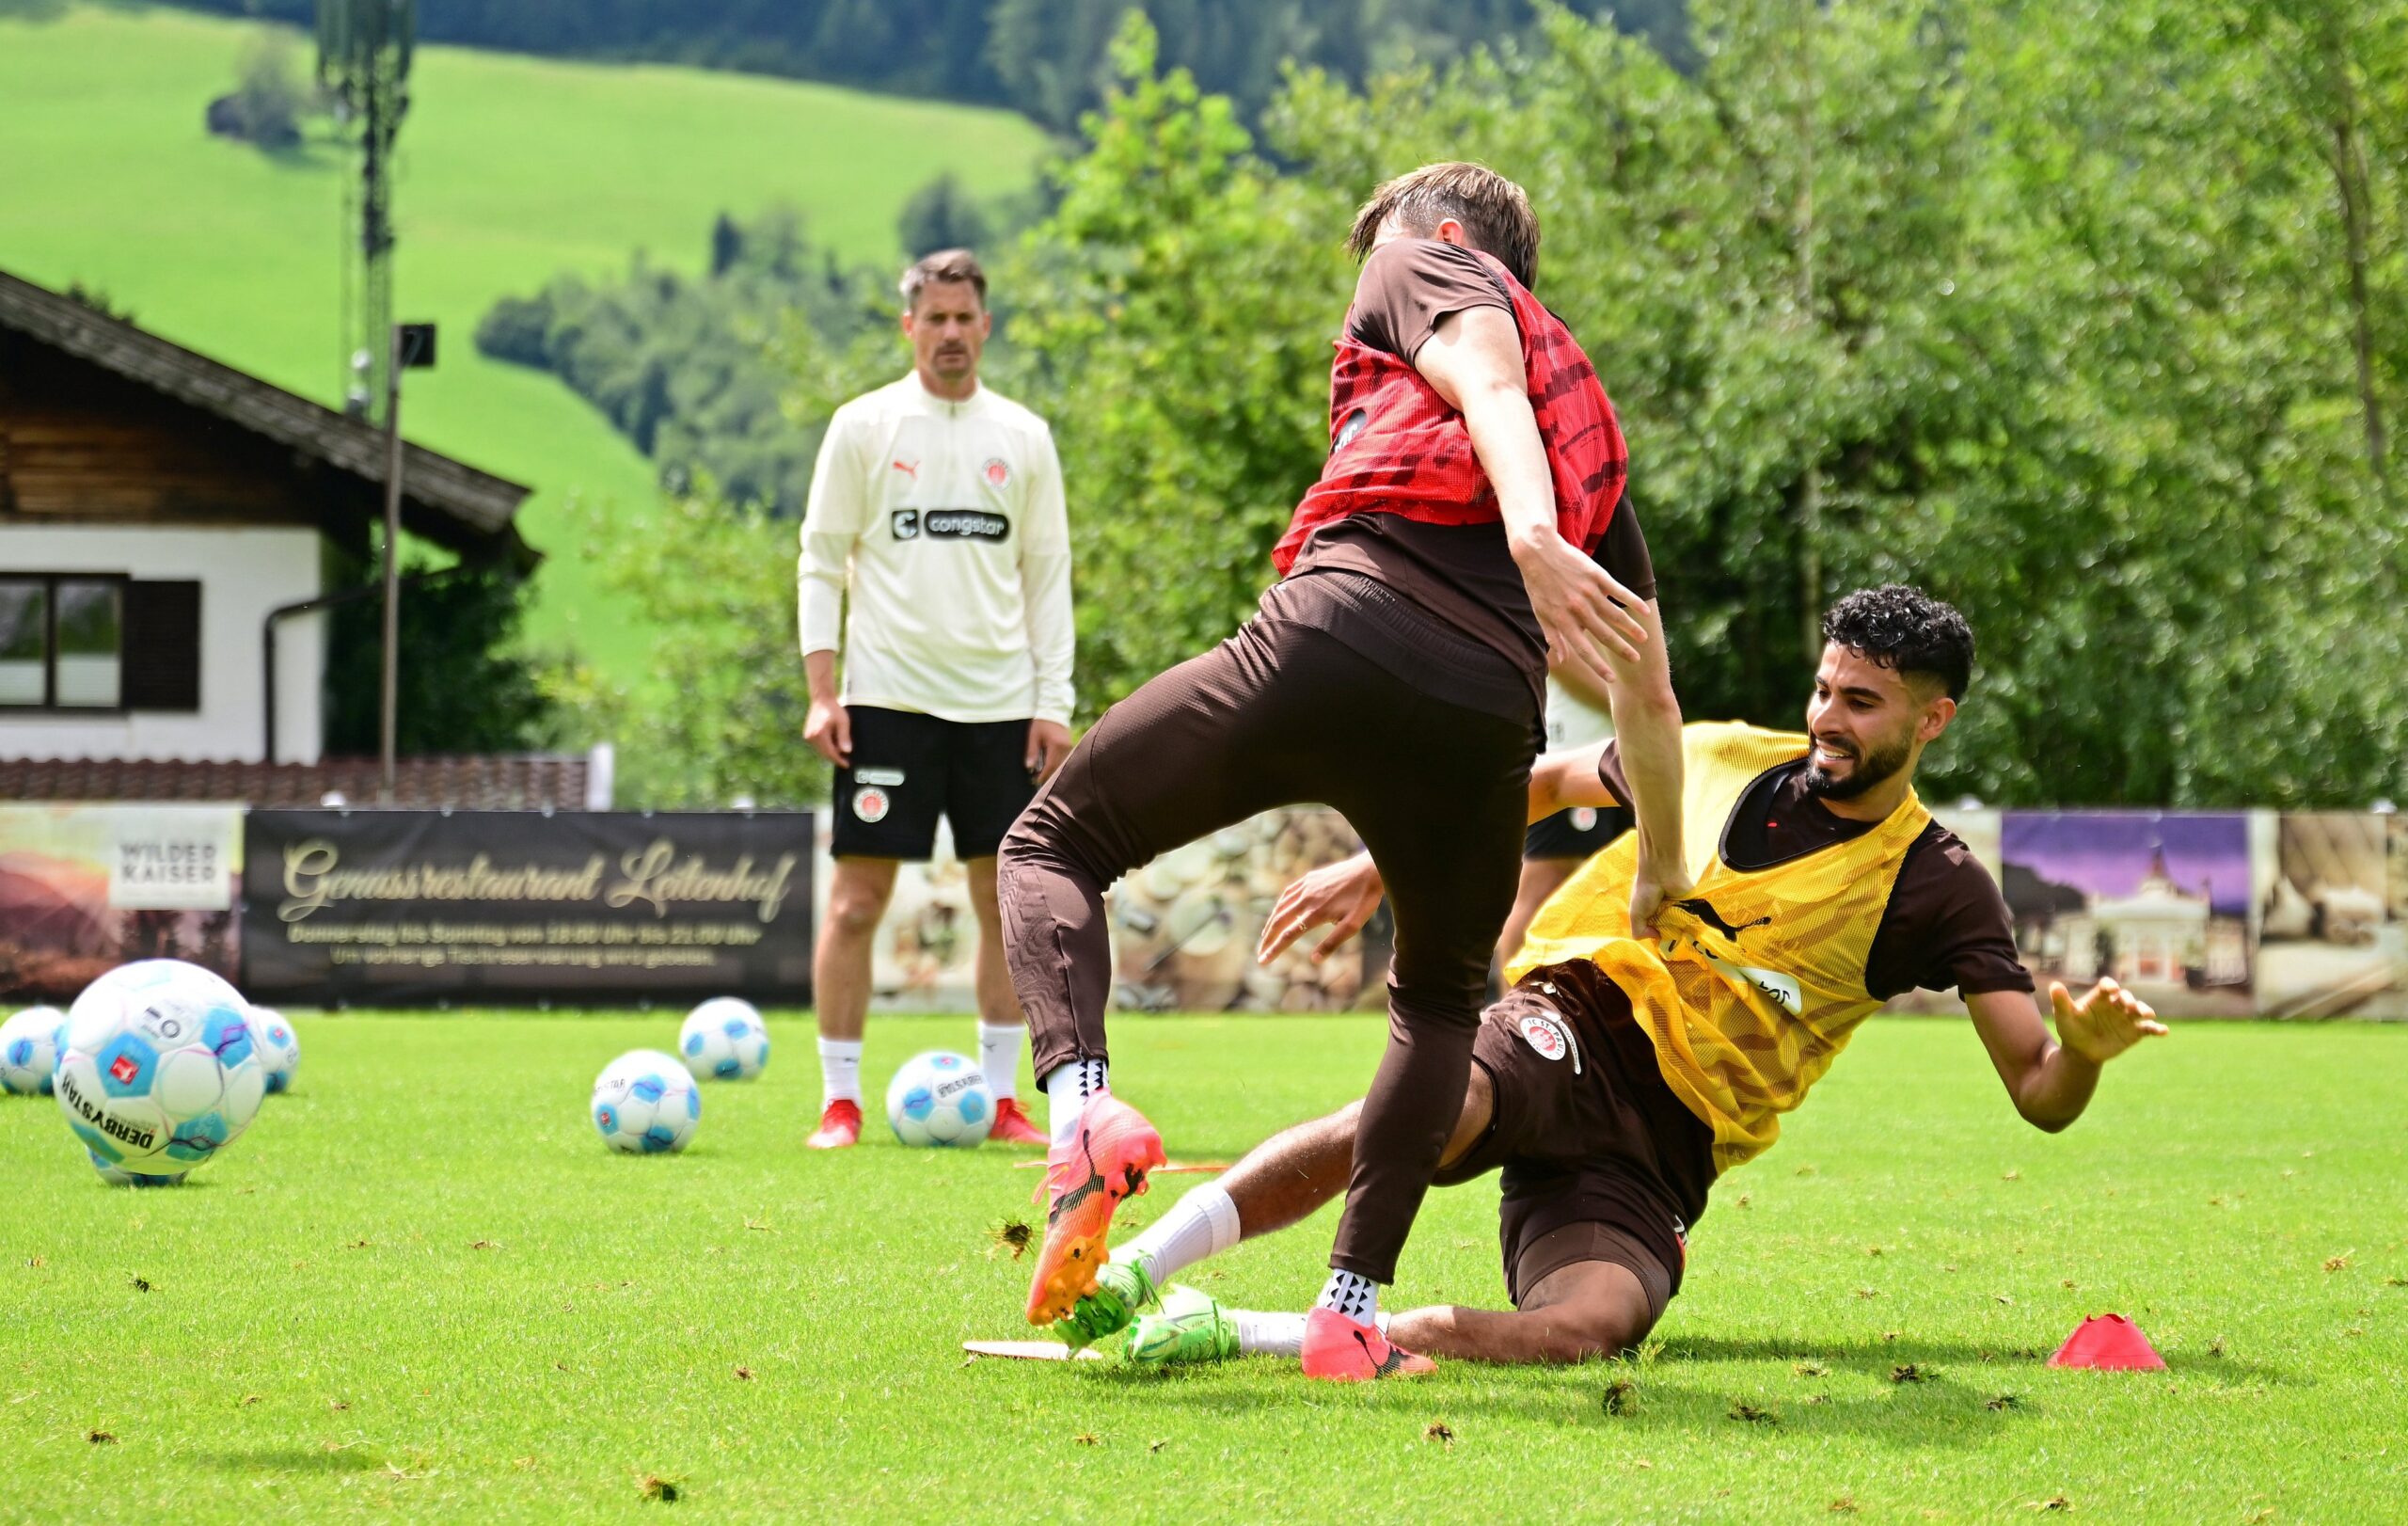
x=84, y=889
x=2329, y=944
x=409, y=908
x=2160, y=900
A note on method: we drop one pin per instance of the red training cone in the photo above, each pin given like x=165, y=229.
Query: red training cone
x=2111, y=1344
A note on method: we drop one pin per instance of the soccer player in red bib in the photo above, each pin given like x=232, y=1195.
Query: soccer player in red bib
x=1469, y=523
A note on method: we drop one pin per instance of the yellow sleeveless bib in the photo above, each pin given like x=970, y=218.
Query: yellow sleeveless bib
x=1758, y=980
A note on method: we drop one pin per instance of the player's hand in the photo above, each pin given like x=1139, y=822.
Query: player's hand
x=829, y=728
x=1654, y=887
x=1340, y=896
x=2107, y=1020
x=1579, y=607
x=1049, y=744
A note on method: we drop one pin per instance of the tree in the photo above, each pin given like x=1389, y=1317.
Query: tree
x=2029, y=309
x=2086, y=319
x=692, y=371
x=464, y=685
x=717, y=581
x=941, y=215
x=1173, y=321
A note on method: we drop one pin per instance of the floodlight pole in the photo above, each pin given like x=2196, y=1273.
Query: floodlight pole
x=390, y=698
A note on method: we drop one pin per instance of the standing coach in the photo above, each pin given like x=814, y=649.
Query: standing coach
x=936, y=507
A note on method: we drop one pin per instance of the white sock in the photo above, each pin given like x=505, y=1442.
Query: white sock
x=1357, y=1298
x=1068, y=1087
x=1203, y=1223
x=999, y=1056
x=1278, y=1335
x=1268, y=1335
x=840, y=1070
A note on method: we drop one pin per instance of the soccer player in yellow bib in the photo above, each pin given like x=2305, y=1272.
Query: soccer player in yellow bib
x=1626, y=1070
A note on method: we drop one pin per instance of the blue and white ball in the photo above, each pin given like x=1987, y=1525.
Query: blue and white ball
x=117, y=1176
x=279, y=1047
x=724, y=1039
x=159, y=1074
x=645, y=1103
x=941, y=1098
x=29, y=1045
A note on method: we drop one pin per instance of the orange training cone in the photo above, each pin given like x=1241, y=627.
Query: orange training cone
x=2111, y=1344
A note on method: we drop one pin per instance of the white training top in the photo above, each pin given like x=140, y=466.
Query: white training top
x=1571, y=722
x=946, y=521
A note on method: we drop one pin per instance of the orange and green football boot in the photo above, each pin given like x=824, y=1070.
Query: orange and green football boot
x=1086, y=1176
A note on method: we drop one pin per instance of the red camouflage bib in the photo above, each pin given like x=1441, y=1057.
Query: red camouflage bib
x=1396, y=447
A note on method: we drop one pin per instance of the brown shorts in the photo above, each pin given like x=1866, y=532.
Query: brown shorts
x=1600, y=1161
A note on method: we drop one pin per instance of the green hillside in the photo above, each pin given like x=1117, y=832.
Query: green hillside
x=511, y=169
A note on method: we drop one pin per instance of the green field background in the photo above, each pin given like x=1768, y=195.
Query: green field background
x=420, y=1287
x=511, y=169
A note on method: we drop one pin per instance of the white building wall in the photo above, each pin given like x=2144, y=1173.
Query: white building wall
x=244, y=572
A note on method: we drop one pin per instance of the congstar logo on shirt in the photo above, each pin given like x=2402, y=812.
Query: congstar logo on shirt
x=964, y=524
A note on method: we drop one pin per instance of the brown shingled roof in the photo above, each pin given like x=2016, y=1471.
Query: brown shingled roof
x=527, y=782
x=449, y=501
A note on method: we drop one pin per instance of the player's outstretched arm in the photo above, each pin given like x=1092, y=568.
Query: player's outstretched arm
x=1574, y=776
x=1647, y=725
x=1594, y=626
x=2052, y=1079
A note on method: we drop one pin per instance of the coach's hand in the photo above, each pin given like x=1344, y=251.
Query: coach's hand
x=1049, y=744
x=2107, y=1020
x=828, y=729
x=1341, y=896
x=1579, y=607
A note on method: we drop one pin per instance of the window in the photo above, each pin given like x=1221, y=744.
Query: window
x=64, y=640
x=25, y=642
x=85, y=635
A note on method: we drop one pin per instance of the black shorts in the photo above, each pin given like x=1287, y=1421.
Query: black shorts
x=1600, y=1160
x=1576, y=833
x=910, y=769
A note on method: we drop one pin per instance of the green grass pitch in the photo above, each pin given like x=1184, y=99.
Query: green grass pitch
x=510, y=170
x=421, y=1286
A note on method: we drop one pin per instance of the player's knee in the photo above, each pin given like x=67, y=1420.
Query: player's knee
x=1591, y=1330
x=855, y=912
x=1045, y=843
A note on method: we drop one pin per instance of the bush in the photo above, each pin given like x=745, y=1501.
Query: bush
x=518, y=329
x=270, y=98
x=464, y=687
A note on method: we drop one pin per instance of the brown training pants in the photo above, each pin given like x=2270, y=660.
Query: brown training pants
x=1280, y=714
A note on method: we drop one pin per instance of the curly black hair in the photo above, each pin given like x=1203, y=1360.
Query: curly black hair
x=1906, y=630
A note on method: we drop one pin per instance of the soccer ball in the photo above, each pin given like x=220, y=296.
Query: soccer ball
x=724, y=1039
x=645, y=1103
x=279, y=1049
x=939, y=1098
x=117, y=1176
x=158, y=1073
x=29, y=1045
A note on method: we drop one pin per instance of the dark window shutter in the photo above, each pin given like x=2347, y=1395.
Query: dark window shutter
x=162, y=668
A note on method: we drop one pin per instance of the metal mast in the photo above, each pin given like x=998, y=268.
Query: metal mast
x=364, y=64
